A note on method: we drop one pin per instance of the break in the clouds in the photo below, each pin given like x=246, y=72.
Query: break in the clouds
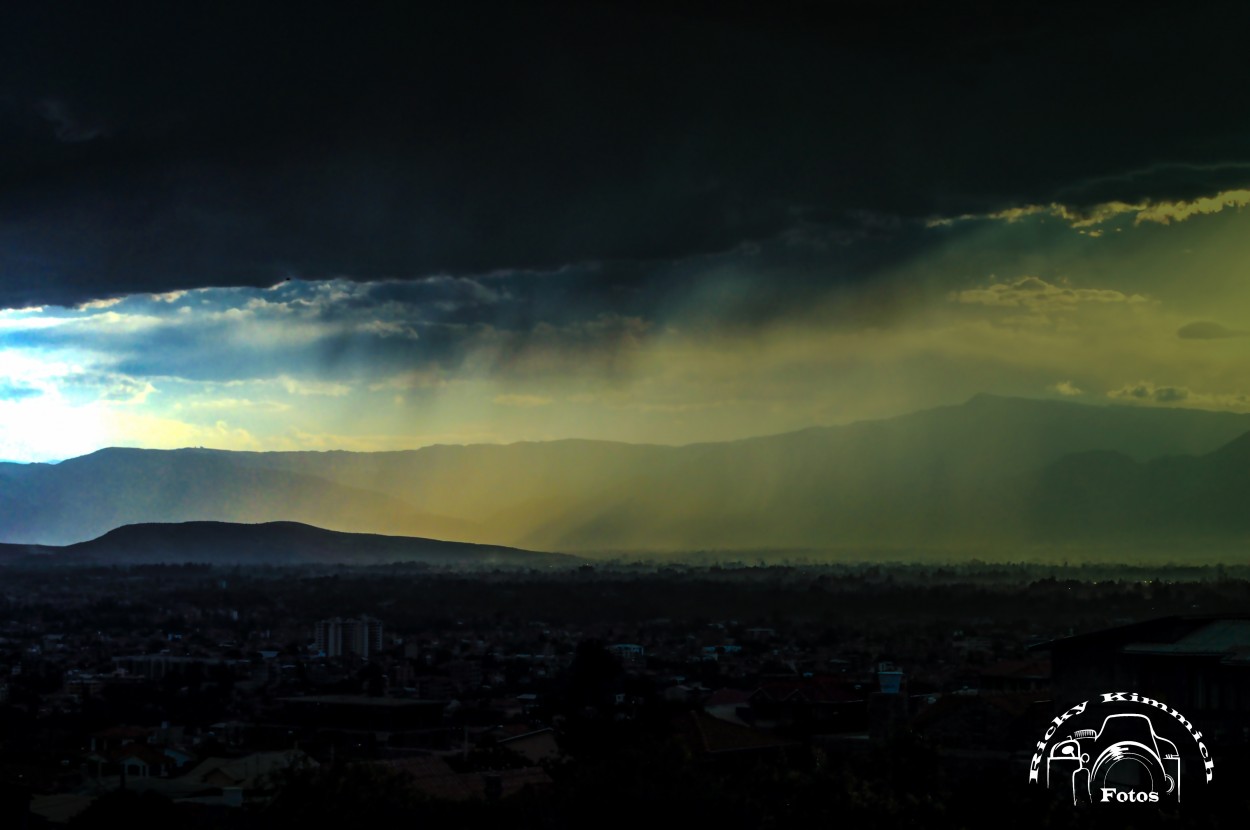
x=1038, y=295
x=1088, y=218
x=1148, y=392
x=1067, y=389
x=17, y=392
x=725, y=352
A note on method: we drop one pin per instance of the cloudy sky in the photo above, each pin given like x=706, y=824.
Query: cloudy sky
x=384, y=227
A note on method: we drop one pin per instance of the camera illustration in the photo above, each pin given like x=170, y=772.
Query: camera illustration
x=1123, y=762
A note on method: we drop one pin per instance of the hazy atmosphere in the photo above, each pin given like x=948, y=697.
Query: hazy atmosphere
x=660, y=224
x=562, y=415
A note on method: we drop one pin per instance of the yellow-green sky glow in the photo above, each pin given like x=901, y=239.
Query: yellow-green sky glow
x=1098, y=306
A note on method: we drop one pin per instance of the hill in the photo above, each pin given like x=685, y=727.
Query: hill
x=84, y=497
x=278, y=543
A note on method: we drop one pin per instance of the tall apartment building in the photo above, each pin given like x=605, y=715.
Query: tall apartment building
x=337, y=637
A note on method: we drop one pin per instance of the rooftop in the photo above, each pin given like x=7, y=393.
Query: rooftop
x=1225, y=636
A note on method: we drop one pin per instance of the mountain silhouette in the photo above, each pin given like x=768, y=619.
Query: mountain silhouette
x=274, y=543
x=993, y=470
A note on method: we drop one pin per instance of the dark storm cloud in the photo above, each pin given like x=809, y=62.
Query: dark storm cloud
x=1177, y=181
x=67, y=126
x=1147, y=392
x=145, y=149
x=1170, y=394
x=1207, y=330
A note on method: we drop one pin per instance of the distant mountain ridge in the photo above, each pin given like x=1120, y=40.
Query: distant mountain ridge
x=992, y=470
x=274, y=543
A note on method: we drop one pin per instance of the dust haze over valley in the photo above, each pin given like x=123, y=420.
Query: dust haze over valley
x=991, y=478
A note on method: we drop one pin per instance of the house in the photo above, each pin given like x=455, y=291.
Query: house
x=821, y=703
x=1031, y=675
x=138, y=761
x=134, y=752
x=714, y=739
x=433, y=776
x=118, y=736
x=1007, y=721
x=251, y=772
x=59, y=808
x=535, y=746
x=360, y=713
x=1197, y=664
x=629, y=653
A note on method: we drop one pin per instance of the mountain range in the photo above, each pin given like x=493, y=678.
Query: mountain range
x=991, y=471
